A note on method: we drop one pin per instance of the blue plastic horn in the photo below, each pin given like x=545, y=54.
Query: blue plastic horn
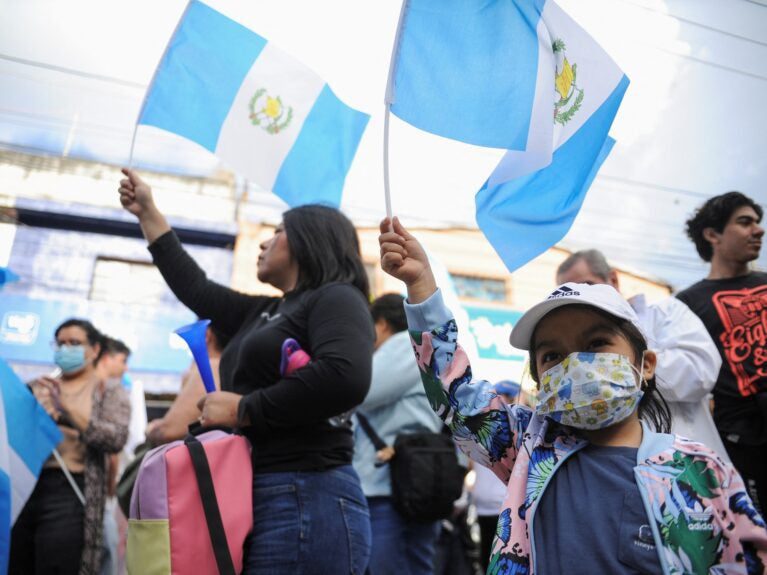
x=194, y=336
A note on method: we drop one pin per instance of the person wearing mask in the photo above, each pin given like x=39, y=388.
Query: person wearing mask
x=396, y=404
x=731, y=301
x=60, y=528
x=595, y=483
x=309, y=512
x=688, y=361
x=183, y=411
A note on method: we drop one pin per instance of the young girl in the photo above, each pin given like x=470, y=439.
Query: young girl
x=594, y=482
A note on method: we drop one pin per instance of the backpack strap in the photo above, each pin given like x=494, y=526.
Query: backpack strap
x=210, y=505
x=370, y=432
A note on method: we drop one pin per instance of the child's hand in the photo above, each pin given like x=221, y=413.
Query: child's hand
x=403, y=257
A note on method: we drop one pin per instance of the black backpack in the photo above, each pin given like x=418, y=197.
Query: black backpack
x=426, y=477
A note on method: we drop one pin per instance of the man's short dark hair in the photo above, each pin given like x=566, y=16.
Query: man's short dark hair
x=594, y=259
x=715, y=213
x=114, y=346
x=390, y=308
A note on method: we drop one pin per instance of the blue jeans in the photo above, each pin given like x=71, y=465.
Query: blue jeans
x=400, y=547
x=308, y=522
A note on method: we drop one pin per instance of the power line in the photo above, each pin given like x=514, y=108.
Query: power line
x=658, y=187
x=72, y=71
x=30, y=118
x=640, y=217
x=712, y=64
x=698, y=24
x=68, y=82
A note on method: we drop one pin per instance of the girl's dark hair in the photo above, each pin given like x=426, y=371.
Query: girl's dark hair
x=652, y=407
x=324, y=244
x=715, y=213
x=93, y=335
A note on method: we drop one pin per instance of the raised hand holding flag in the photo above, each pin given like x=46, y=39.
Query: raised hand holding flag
x=267, y=115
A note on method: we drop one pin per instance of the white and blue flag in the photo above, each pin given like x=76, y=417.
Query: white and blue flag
x=519, y=75
x=27, y=438
x=261, y=111
x=524, y=212
x=471, y=71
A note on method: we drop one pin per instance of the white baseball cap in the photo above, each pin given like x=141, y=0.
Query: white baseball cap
x=602, y=296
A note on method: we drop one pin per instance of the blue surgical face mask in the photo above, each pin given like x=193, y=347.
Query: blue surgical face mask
x=70, y=358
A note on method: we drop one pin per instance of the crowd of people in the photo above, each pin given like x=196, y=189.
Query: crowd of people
x=643, y=450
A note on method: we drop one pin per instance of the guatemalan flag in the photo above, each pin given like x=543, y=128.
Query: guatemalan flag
x=264, y=113
x=519, y=75
x=27, y=438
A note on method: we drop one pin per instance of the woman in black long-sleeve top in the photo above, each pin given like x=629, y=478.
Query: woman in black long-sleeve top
x=310, y=515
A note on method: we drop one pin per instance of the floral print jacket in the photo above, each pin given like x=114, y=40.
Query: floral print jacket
x=701, y=517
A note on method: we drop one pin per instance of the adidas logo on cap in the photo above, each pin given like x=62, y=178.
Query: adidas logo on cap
x=562, y=292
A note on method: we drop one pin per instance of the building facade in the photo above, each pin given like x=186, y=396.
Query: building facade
x=79, y=255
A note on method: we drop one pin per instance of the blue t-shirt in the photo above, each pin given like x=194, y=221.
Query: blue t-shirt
x=591, y=518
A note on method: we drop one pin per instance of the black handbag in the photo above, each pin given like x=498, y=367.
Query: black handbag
x=426, y=477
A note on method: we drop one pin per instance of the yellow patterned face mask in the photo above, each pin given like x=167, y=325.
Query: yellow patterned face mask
x=589, y=390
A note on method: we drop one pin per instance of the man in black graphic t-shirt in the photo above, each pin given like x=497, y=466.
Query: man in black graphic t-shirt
x=732, y=302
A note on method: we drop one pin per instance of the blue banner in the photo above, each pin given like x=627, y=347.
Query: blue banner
x=27, y=326
x=491, y=328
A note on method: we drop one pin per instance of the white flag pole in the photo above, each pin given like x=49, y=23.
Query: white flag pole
x=151, y=85
x=387, y=189
x=388, y=101
x=133, y=142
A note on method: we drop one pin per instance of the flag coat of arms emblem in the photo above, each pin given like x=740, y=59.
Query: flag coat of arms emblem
x=525, y=208
x=269, y=112
x=264, y=113
x=523, y=76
